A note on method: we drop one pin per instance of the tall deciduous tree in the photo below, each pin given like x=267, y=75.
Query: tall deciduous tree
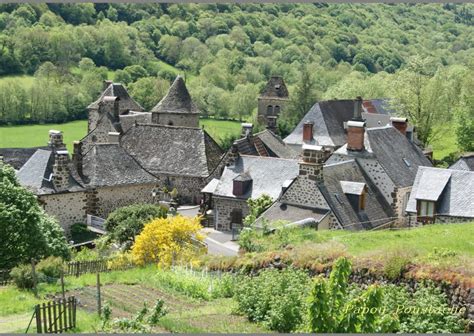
x=303, y=97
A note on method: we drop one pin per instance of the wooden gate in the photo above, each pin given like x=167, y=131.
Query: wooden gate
x=56, y=316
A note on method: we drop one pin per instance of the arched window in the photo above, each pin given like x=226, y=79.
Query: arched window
x=269, y=109
x=277, y=109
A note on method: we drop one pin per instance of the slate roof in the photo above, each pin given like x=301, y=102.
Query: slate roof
x=172, y=150
x=466, y=162
x=110, y=165
x=273, y=144
x=117, y=90
x=268, y=176
x=275, y=88
x=177, y=100
x=291, y=213
x=456, y=198
x=377, y=211
x=17, y=157
x=399, y=157
x=36, y=174
x=329, y=117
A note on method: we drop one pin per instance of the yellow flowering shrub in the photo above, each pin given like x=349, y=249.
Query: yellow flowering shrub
x=168, y=240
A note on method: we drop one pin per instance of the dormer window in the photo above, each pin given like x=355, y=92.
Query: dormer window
x=241, y=184
x=355, y=193
x=425, y=211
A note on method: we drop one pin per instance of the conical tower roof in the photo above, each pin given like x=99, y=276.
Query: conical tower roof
x=177, y=100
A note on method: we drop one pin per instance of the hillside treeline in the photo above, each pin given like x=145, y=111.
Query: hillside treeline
x=228, y=51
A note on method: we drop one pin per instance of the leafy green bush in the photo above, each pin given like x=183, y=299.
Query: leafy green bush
x=51, y=267
x=125, y=223
x=248, y=240
x=22, y=276
x=424, y=311
x=86, y=254
x=332, y=308
x=274, y=297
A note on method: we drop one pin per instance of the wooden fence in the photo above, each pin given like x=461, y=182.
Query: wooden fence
x=95, y=266
x=56, y=316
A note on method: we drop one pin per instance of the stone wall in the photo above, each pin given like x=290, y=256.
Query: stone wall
x=411, y=219
x=176, y=119
x=223, y=208
x=110, y=198
x=68, y=208
x=399, y=204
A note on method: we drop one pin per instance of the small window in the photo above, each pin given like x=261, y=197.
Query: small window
x=269, y=109
x=277, y=109
x=170, y=123
x=407, y=162
x=338, y=198
x=362, y=201
x=426, y=209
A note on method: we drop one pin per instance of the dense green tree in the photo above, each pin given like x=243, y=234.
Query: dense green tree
x=149, y=91
x=25, y=229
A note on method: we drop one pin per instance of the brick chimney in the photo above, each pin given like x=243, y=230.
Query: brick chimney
x=61, y=170
x=308, y=131
x=355, y=135
x=77, y=156
x=56, y=140
x=242, y=184
x=401, y=124
x=312, y=161
x=247, y=130
x=113, y=137
x=272, y=123
x=106, y=84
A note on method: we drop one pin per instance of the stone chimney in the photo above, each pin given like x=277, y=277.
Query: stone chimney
x=357, y=109
x=401, y=124
x=113, y=137
x=247, y=130
x=112, y=105
x=77, y=156
x=355, y=135
x=242, y=184
x=61, y=170
x=312, y=161
x=272, y=123
x=233, y=155
x=56, y=140
x=308, y=131
x=106, y=84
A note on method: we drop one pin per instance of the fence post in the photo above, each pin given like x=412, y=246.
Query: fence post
x=38, y=319
x=99, y=308
x=35, y=289
x=62, y=285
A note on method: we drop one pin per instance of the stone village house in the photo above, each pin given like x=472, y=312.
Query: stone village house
x=128, y=156
x=441, y=196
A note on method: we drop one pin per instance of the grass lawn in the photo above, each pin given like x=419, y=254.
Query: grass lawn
x=125, y=292
x=445, y=143
x=37, y=135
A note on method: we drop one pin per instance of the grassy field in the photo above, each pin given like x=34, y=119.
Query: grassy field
x=125, y=292
x=445, y=143
x=37, y=135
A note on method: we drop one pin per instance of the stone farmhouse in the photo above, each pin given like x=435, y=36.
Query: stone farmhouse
x=325, y=124
x=128, y=156
x=245, y=177
x=441, y=196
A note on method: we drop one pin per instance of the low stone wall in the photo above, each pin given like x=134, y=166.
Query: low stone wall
x=68, y=208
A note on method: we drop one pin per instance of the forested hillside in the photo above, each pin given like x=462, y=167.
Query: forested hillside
x=420, y=55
